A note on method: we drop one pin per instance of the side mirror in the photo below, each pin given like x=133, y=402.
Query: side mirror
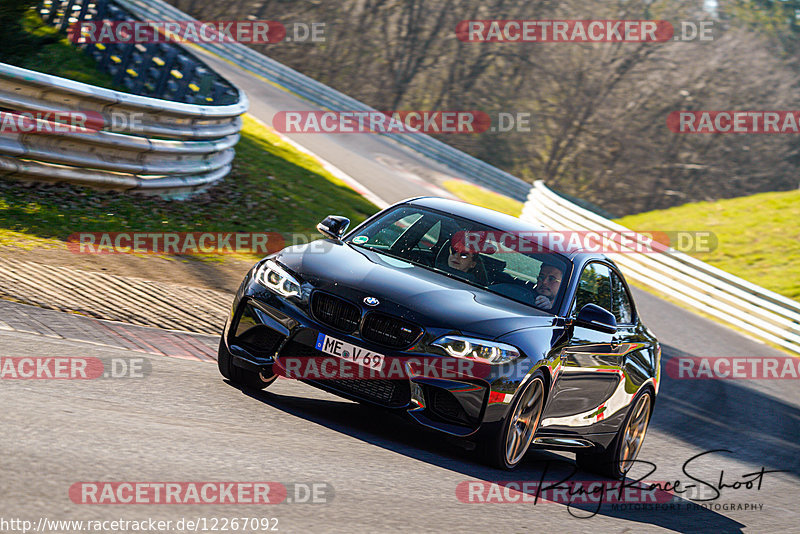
x=597, y=318
x=333, y=226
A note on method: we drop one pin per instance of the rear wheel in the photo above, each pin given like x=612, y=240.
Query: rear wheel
x=507, y=447
x=237, y=375
x=620, y=456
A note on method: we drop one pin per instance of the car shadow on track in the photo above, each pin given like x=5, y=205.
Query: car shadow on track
x=746, y=417
x=392, y=432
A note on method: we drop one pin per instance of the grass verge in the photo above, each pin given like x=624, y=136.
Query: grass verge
x=758, y=236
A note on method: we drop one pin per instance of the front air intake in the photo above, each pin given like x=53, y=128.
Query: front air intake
x=335, y=312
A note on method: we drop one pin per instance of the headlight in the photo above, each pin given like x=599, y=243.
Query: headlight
x=274, y=277
x=477, y=349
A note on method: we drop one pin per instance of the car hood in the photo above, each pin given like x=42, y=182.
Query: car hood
x=415, y=293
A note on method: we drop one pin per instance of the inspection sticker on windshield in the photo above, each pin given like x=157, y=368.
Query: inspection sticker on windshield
x=359, y=239
x=346, y=351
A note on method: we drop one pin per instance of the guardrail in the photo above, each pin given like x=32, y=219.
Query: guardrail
x=472, y=168
x=137, y=142
x=730, y=299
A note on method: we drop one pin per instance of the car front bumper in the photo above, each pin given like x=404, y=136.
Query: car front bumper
x=265, y=329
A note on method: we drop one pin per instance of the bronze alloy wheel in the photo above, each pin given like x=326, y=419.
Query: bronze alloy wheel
x=266, y=378
x=635, y=430
x=504, y=446
x=524, y=421
x=620, y=456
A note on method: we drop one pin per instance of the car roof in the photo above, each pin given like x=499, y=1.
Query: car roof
x=498, y=220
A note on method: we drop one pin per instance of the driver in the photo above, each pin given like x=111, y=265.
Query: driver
x=547, y=284
x=463, y=255
x=460, y=258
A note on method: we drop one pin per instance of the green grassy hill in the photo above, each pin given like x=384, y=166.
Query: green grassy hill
x=759, y=236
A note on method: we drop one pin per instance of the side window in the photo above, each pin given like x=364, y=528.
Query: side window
x=387, y=235
x=594, y=287
x=623, y=310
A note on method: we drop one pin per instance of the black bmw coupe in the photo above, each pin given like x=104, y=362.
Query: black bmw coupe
x=456, y=317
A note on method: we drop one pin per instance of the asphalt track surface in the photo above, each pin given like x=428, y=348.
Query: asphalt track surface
x=388, y=169
x=183, y=422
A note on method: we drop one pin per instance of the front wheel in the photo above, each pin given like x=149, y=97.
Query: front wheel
x=224, y=359
x=507, y=447
x=615, y=461
x=237, y=375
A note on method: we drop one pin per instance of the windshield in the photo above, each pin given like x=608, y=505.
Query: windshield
x=504, y=263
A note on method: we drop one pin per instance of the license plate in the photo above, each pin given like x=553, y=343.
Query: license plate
x=346, y=351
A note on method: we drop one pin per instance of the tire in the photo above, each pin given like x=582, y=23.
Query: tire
x=501, y=448
x=618, y=458
x=239, y=376
x=224, y=359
